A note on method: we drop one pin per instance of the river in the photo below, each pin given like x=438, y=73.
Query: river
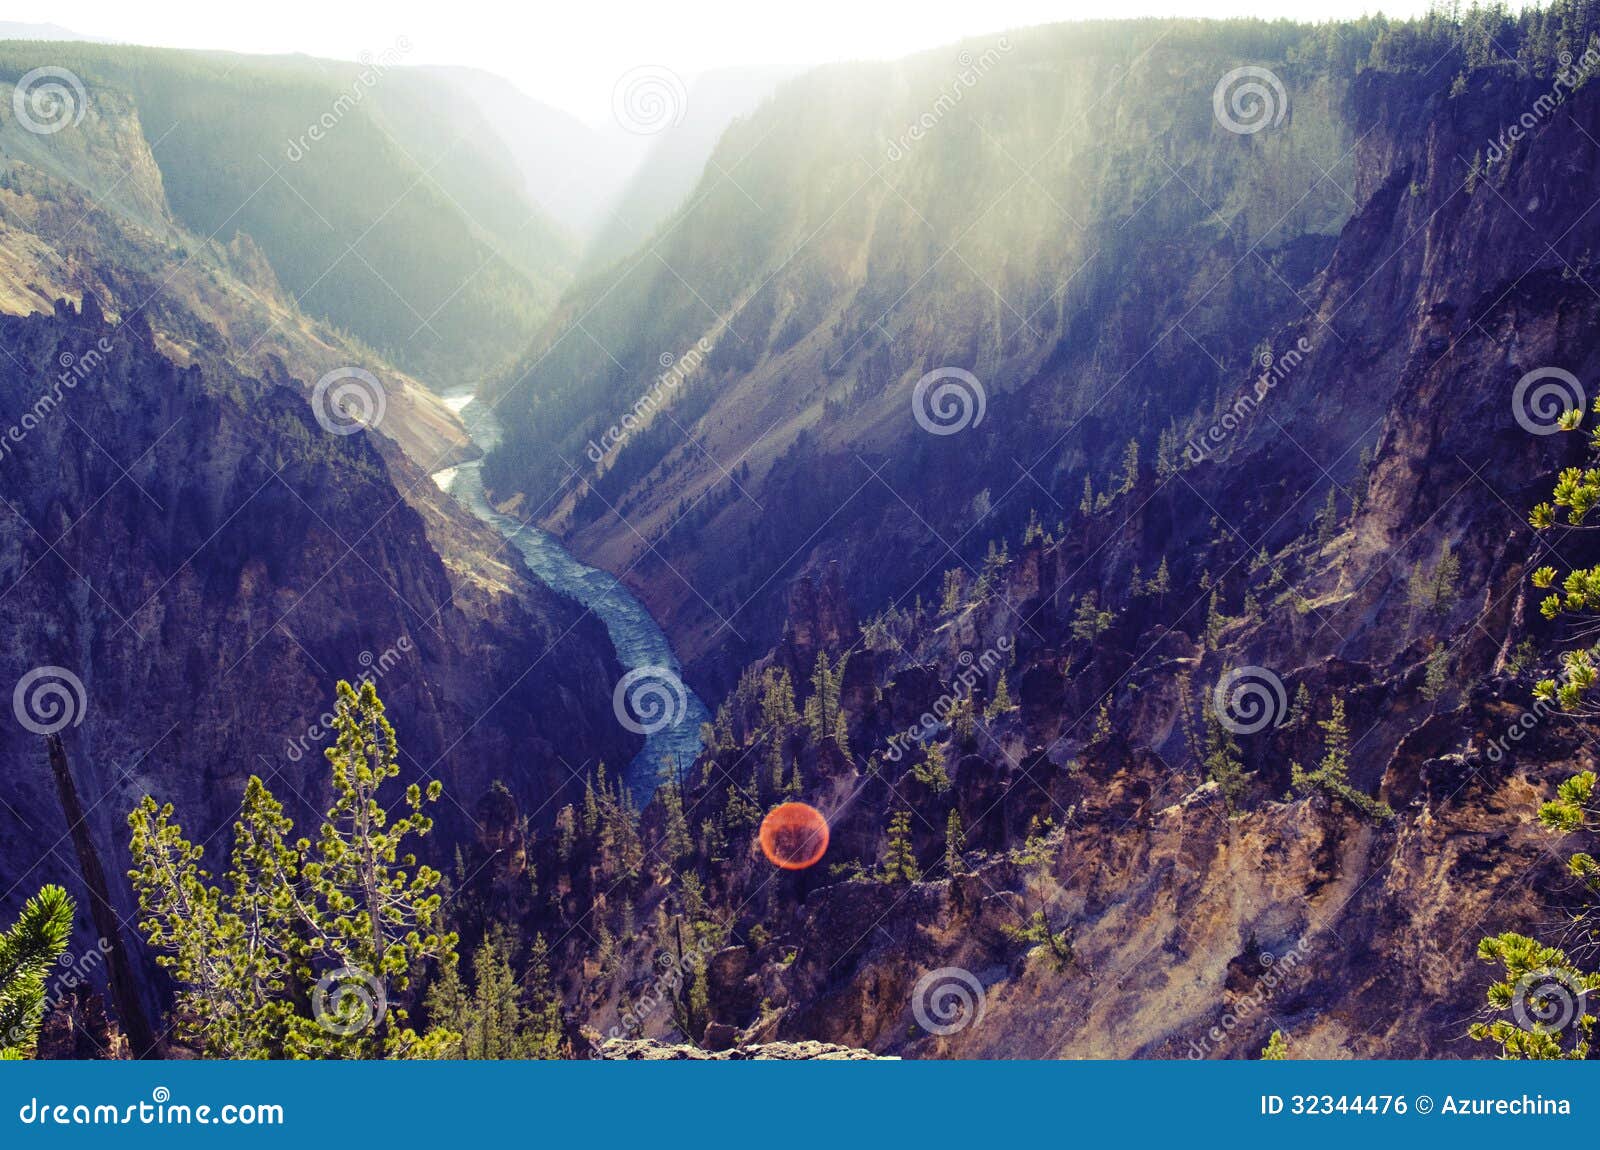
x=641, y=644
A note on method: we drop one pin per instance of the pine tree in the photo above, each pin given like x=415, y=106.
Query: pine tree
x=778, y=713
x=1130, y=467
x=28, y=953
x=676, y=839
x=1216, y=621
x=931, y=771
x=490, y=1022
x=1332, y=774
x=546, y=1027
x=1087, y=503
x=1328, y=520
x=341, y=925
x=1437, y=679
x=1435, y=592
x=1300, y=709
x=822, y=708
x=1160, y=583
x=1223, y=765
x=1276, y=1049
x=950, y=592
x=955, y=843
x=1000, y=702
x=1090, y=622
x=900, y=860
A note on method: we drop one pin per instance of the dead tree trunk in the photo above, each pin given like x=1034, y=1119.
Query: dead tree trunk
x=119, y=971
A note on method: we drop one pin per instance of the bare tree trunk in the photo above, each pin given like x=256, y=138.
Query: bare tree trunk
x=119, y=971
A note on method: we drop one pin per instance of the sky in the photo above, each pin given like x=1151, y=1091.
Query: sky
x=571, y=54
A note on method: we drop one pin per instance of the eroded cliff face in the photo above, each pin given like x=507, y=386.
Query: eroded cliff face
x=1111, y=898
x=207, y=560
x=1197, y=934
x=1077, y=230
x=87, y=211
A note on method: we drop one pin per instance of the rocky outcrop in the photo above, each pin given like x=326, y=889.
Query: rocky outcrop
x=649, y=1050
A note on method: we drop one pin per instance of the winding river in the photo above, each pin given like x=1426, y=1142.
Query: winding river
x=641, y=644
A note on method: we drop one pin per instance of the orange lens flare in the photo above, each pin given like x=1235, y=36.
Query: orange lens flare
x=794, y=836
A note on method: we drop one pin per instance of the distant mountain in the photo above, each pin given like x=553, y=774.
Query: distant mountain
x=16, y=30
x=670, y=168
x=382, y=203
x=609, y=186
x=571, y=170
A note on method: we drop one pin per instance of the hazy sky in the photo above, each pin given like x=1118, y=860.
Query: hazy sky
x=571, y=53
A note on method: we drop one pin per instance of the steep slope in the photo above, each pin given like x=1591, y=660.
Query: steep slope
x=86, y=210
x=194, y=560
x=979, y=208
x=1247, y=744
x=339, y=173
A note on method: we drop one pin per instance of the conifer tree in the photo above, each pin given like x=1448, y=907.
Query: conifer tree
x=1000, y=702
x=491, y=1022
x=1130, y=467
x=1223, y=765
x=900, y=860
x=955, y=843
x=1160, y=583
x=677, y=842
x=950, y=592
x=1328, y=520
x=931, y=771
x=307, y=947
x=823, y=713
x=1216, y=621
x=28, y=953
x=1090, y=622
